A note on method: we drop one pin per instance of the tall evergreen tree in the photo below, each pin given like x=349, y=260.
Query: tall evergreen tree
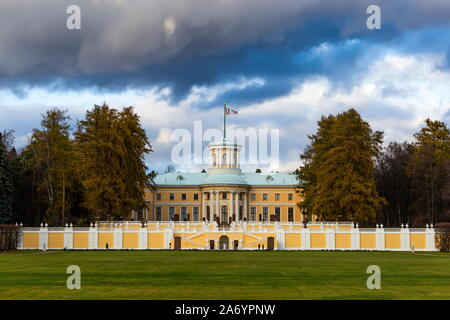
x=51, y=156
x=110, y=149
x=337, y=175
x=6, y=183
x=429, y=170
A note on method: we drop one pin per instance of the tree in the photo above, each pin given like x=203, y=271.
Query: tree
x=429, y=170
x=51, y=154
x=337, y=178
x=394, y=183
x=6, y=182
x=110, y=147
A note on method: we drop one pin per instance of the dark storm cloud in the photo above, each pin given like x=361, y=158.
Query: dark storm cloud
x=136, y=44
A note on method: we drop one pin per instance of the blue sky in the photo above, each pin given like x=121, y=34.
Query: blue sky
x=283, y=63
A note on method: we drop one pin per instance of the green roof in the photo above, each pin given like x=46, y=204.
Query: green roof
x=253, y=179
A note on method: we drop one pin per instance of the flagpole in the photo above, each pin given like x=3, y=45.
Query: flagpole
x=224, y=121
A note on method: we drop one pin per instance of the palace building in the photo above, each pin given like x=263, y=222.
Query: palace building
x=224, y=193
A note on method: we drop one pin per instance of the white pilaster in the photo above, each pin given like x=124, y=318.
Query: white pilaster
x=355, y=238
x=93, y=237
x=168, y=237
x=380, y=238
x=118, y=237
x=68, y=236
x=280, y=237
x=306, y=239
x=203, y=213
x=330, y=238
x=142, y=237
x=404, y=238
x=430, y=238
x=43, y=237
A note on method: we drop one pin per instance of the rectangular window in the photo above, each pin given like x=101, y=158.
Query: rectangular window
x=158, y=196
x=195, y=213
x=184, y=213
x=224, y=195
x=265, y=196
x=290, y=197
x=183, y=196
x=253, y=214
x=253, y=196
x=277, y=213
x=171, y=213
x=265, y=213
x=277, y=196
x=172, y=196
x=195, y=196
x=158, y=213
x=290, y=214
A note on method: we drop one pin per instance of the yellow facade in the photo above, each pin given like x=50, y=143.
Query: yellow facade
x=368, y=241
x=106, y=238
x=343, y=240
x=392, y=240
x=80, y=240
x=130, y=240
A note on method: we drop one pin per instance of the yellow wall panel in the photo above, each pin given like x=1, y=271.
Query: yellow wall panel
x=105, y=238
x=31, y=240
x=80, y=240
x=392, y=240
x=368, y=241
x=418, y=240
x=343, y=240
x=293, y=240
x=156, y=241
x=318, y=241
x=55, y=240
x=130, y=240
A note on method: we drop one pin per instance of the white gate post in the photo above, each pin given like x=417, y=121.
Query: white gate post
x=356, y=243
x=43, y=237
x=430, y=238
x=306, y=239
x=281, y=239
x=93, y=237
x=142, y=237
x=404, y=238
x=117, y=236
x=68, y=236
x=330, y=238
x=380, y=238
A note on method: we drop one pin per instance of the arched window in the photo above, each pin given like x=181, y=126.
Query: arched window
x=235, y=158
x=224, y=159
x=214, y=159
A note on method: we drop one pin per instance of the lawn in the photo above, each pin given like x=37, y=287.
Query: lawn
x=223, y=275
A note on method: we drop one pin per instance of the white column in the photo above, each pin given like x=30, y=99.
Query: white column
x=380, y=238
x=430, y=239
x=43, y=237
x=68, y=237
x=404, y=238
x=231, y=203
x=117, y=234
x=217, y=203
x=203, y=214
x=306, y=239
x=245, y=205
x=211, y=206
x=237, y=206
x=280, y=237
x=142, y=237
x=93, y=237
x=330, y=238
x=355, y=238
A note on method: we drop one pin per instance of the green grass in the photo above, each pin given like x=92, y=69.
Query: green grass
x=223, y=275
